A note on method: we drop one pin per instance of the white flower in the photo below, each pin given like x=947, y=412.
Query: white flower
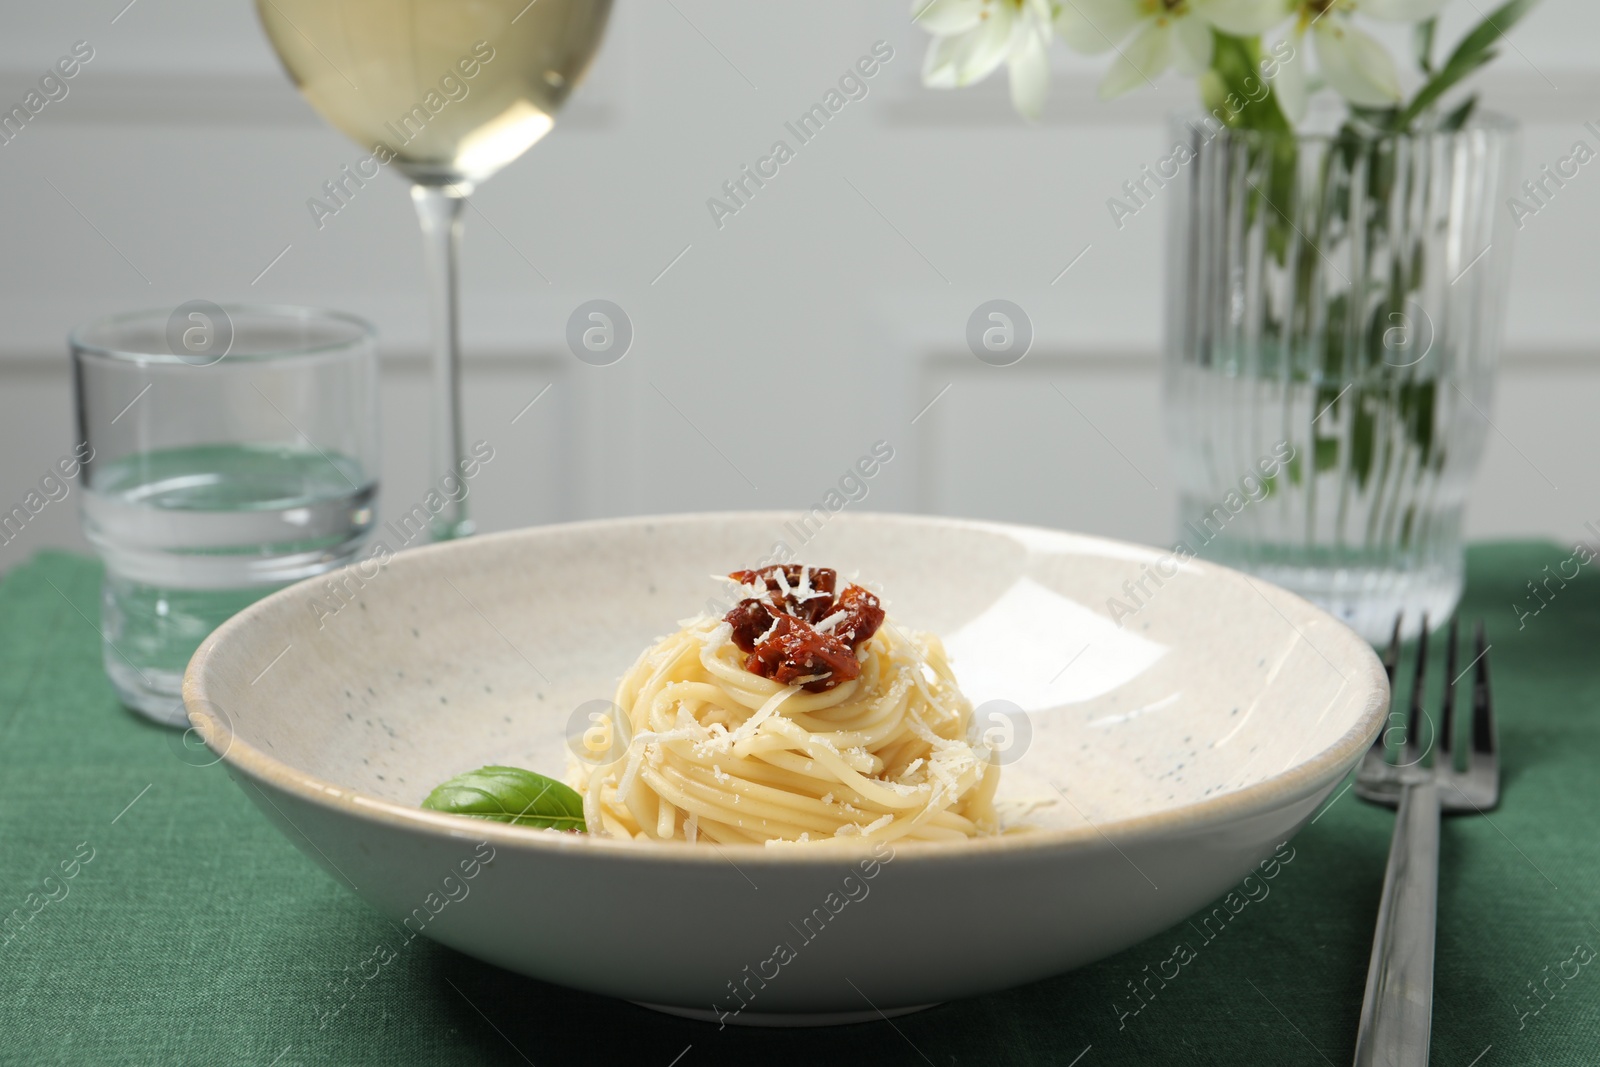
x=1165, y=33
x=973, y=37
x=1353, y=62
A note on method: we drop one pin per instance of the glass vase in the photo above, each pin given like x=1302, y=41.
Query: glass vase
x=1334, y=306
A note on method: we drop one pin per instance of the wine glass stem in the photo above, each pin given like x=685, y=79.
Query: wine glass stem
x=439, y=210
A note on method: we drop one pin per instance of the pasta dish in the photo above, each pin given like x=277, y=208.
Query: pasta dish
x=804, y=716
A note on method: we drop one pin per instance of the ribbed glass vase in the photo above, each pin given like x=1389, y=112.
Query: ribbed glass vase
x=1334, y=307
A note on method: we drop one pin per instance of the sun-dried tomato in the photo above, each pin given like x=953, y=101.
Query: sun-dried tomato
x=749, y=620
x=785, y=594
x=794, y=650
x=866, y=615
x=779, y=631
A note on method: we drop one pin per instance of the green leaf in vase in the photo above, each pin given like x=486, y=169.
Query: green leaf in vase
x=1424, y=42
x=512, y=795
x=1327, y=449
x=1378, y=119
x=1363, y=438
x=1473, y=52
x=1442, y=83
x=1326, y=402
x=1381, y=166
x=1493, y=27
x=1351, y=144
x=1417, y=402
x=1333, y=341
x=1458, y=118
x=1419, y=261
x=1234, y=75
x=1393, y=334
x=1236, y=63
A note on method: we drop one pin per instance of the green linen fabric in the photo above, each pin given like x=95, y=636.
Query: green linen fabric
x=175, y=926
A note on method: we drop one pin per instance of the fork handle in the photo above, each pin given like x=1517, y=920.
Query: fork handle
x=1397, y=1011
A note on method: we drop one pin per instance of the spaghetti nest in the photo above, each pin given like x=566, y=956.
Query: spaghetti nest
x=720, y=752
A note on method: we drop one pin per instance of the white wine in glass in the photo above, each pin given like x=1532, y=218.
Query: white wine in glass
x=448, y=92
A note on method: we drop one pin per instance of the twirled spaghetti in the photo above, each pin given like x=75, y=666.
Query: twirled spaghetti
x=720, y=752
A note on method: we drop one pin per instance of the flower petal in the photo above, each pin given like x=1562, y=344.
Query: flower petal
x=1029, y=65
x=1290, y=86
x=1243, y=18
x=1094, y=26
x=1145, y=58
x=945, y=18
x=1355, y=64
x=1402, y=10
x=1040, y=11
x=969, y=57
x=937, y=70
x=1194, y=44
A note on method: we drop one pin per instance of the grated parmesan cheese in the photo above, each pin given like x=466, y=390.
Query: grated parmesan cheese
x=877, y=824
x=826, y=625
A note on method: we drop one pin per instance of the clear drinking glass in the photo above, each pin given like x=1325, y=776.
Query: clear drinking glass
x=449, y=91
x=1334, y=307
x=230, y=451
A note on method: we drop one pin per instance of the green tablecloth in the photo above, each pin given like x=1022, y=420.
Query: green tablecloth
x=189, y=931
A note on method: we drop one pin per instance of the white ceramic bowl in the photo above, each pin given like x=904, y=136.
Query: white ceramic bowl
x=1179, y=748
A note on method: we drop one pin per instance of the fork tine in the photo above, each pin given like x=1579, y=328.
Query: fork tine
x=1484, y=742
x=1447, y=712
x=1419, y=683
x=1391, y=655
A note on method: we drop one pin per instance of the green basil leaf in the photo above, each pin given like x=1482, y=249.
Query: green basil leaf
x=510, y=794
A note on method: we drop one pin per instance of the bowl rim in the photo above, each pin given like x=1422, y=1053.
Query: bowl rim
x=1322, y=769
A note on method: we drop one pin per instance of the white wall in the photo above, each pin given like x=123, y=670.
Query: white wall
x=821, y=318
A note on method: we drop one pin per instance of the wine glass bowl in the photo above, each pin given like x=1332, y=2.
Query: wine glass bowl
x=452, y=89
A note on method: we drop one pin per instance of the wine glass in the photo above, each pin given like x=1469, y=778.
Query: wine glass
x=448, y=91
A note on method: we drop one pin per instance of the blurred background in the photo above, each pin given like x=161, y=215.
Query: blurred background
x=772, y=348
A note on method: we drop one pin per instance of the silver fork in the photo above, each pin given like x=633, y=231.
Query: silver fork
x=1397, y=1010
